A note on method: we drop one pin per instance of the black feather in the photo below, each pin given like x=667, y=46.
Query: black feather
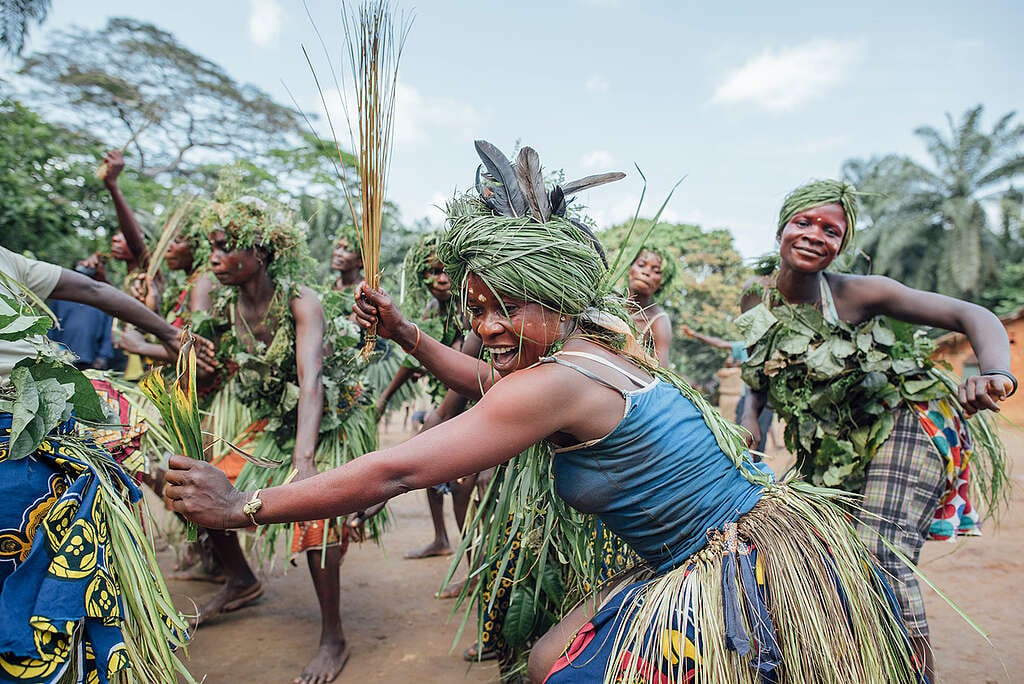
x=591, y=182
x=531, y=182
x=505, y=196
x=558, y=203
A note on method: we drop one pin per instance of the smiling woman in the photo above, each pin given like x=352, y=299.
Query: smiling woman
x=739, y=579
x=864, y=406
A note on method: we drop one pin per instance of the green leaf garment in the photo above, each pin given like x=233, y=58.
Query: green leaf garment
x=837, y=386
x=256, y=409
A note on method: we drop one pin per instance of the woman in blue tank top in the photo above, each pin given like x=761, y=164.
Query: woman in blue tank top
x=741, y=579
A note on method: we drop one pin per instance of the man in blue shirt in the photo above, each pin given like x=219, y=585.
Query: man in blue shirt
x=84, y=330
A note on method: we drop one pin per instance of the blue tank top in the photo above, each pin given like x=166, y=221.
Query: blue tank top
x=659, y=479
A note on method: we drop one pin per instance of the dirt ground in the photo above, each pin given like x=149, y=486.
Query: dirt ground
x=399, y=632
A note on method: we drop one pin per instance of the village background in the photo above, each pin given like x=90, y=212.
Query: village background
x=916, y=105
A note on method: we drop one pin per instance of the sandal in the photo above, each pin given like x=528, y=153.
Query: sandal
x=474, y=655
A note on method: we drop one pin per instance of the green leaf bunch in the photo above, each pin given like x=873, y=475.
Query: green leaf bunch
x=836, y=384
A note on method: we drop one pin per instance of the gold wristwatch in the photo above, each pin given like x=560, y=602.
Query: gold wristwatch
x=253, y=506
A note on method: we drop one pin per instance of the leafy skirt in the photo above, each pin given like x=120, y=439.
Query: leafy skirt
x=81, y=596
x=787, y=594
x=271, y=465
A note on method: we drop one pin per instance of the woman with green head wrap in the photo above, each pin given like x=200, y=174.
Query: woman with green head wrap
x=861, y=402
x=650, y=273
x=727, y=554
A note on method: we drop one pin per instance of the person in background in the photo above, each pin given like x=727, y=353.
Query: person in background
x=84, y=329
x=737, y=355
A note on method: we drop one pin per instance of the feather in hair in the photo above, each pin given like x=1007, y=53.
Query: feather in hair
x=558, y=203
x=502, y=193
x=531, y=182
x=591, y=182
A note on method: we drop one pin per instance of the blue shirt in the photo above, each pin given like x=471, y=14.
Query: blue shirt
x=659, y=480
x=84, y=330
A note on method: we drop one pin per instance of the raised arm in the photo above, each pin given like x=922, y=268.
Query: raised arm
x=114, y=161
x=709, y=340
x=309, y=342
x=466, y=375
x=878, y=295
x=518, y=411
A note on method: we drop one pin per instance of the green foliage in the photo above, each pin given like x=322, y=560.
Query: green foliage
x=704, y=293
x=929, y=227
x=835, y=385
x=50, y=202
x=15, y=16
x=43, y=390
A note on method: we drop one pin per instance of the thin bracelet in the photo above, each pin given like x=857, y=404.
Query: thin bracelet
x=1006, y=374
x=417, y=345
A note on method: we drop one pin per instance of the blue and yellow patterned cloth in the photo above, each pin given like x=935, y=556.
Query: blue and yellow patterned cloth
x=59, y=604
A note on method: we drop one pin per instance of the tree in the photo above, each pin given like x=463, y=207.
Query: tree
x=15, y=16
x=930, y=227
x=51, y=203
x=174, y=108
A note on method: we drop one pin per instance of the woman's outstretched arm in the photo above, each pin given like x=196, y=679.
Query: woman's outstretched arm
x=519, y=411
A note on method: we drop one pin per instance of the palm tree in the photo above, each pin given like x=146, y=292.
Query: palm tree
x=15, y=16
x=931, y=227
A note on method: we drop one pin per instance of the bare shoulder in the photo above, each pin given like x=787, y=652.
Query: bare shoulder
x=865, y=290
x=751, y=293
x=306, y=303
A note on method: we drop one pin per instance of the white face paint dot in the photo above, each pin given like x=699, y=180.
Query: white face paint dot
x=481, y=298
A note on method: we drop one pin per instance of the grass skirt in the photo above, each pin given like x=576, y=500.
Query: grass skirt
x=787, y=594
x=273, y=466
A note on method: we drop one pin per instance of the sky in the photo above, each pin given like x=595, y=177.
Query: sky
x=744, y=99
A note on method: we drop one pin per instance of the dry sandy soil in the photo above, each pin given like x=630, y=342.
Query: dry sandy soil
x=400, y=633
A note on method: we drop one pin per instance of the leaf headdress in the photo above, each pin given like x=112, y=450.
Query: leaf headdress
x=251, y=221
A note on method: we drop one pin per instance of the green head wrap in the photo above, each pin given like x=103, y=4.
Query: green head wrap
x=251, y=222
x=555, y=263
x=818, y=193
x=415, y=265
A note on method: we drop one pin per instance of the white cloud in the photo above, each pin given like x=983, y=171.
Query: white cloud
x=596, y=84
x=597, y=160
x=419, y=116
x=784, y=79
x=265, y=18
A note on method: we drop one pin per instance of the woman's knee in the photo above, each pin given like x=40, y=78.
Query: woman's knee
x=541, y=660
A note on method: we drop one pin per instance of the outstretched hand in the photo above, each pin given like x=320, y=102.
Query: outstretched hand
x=981, y=392
x=203, y=494
x=374, y=307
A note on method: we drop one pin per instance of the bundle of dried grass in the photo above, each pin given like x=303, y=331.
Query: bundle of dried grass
x=375, y=39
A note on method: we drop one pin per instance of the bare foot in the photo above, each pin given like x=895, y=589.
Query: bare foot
x=434, y=548
x=231, y=597
x=326, y=664
x=452, y=591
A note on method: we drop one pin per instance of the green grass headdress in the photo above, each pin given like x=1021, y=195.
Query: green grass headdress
x=250, y=221
x=515, y=235
x=415, y=264
x=818, y=193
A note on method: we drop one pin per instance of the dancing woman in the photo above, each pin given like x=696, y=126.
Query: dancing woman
x=864, y=408
x=742, y=578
